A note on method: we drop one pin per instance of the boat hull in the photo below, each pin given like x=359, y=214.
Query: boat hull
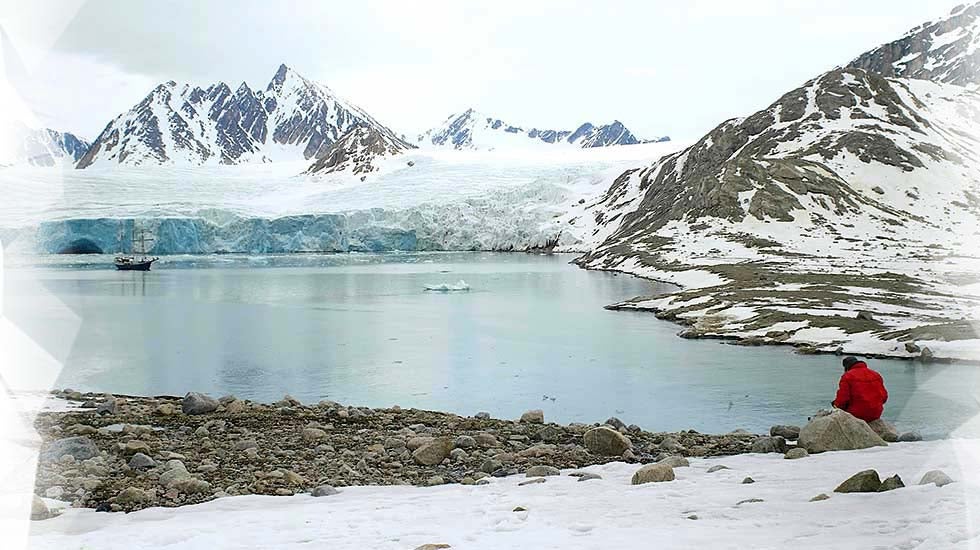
x=135, y=266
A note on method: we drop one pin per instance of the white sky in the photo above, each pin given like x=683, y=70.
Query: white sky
x=662, y=67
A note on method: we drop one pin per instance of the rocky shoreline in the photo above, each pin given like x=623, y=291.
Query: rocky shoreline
x=124, y=453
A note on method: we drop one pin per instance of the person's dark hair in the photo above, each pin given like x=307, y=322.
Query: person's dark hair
x=849, y=361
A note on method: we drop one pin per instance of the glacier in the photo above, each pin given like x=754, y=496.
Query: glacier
x=420, y=201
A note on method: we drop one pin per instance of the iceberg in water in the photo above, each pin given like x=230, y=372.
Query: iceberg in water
x=460, y=285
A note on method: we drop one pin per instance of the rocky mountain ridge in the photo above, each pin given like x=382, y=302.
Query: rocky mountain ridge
x=473, y=130
x=838, y=198
x=178, y=124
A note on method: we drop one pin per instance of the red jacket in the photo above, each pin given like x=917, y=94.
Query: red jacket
x=862, y=393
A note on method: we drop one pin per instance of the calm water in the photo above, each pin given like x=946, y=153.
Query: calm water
x=359, y=329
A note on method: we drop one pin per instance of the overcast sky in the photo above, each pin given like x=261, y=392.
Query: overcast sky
x=661, y=67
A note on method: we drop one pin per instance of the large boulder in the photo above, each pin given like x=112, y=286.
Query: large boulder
x=653, y=473
x=884, y=429
x=866, y=481
x=434, y=452
x=533, y=417
x=606, y=442
x=937, y=477
x=79, y=447
x=198, y=403
x=838, y=431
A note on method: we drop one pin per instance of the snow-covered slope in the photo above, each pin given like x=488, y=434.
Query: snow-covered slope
x=473, y=130
x=358, y=150
x=853, y=192
x=40, y=147
x=947, y=50
x=183, y=125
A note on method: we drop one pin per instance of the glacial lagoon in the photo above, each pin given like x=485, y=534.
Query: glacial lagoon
x=358, y=328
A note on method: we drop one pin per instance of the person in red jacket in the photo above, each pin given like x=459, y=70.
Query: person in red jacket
x=862, y=391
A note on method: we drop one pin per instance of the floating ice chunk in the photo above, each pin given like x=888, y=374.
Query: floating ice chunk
x=460, y=285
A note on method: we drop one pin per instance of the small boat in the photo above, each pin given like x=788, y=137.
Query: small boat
x=138, y=260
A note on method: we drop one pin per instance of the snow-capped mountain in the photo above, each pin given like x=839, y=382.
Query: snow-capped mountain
x=179, y=124
x=473, y=130
x=841, y=195
x=40, y=147
x=947, y=50
x=358, y=150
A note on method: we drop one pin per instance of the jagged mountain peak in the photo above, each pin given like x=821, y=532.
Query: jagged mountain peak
x=292, y=118
x=472, y=129
x=946, y=50
x=42, y=147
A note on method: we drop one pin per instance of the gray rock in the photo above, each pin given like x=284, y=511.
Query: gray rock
x=79, y=447
x=838, y=431
x=717, y=468
x=747, y=480
x=107, y=407
x=464, y=442
x=866, y=481
x=865, y=316
x=542, y=471
x=671, y=445
x=616, y=423
x=748, y=501
x=198, y=403
x=675, y=461
x=937, y=477
x=190, y=485
x=482, y=415
x=486, y=439
x=910, y=436
x=798, y=452
x=491, y=465
x=912, y=347
x=926, y=354
x=891, y=483
x=548, y=434
x=878, y=189
x=532, y=481
x=818, y=498
x=653, y=473
x=418, y=442
x=884, y=429
x=787, y=432
x=141, y=461
x=324, y=491
x=433, y=452
x=39, y=510
x=769, y=444
x=132, y=495
x=605, y=441
x=533, y=417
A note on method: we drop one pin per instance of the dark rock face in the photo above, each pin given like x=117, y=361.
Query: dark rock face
x=938, y=50
x=192, y=125
x=356, y=151
x=706, y=179
x=458, y=132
